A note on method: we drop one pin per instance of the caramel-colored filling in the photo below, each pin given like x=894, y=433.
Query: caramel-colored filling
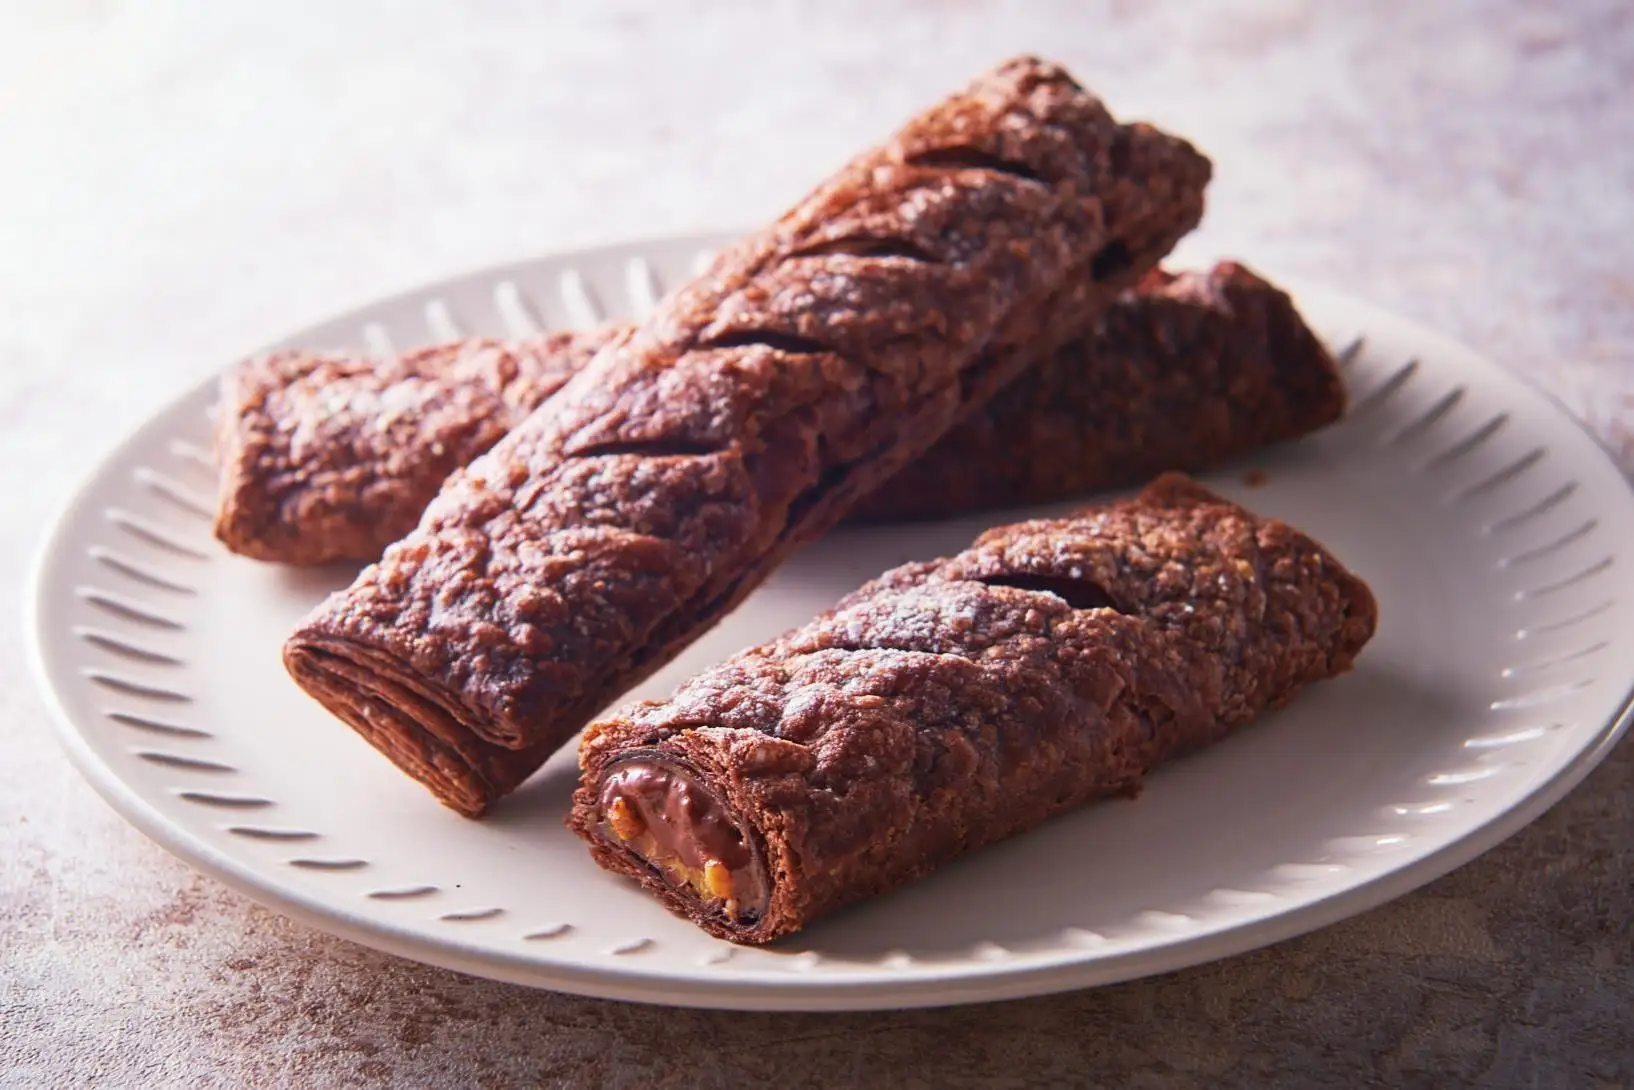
x=663, y=814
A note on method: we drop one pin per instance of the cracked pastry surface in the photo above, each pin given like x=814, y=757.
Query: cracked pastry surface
x=951, y=704
x=329, y=458
x=747, y=415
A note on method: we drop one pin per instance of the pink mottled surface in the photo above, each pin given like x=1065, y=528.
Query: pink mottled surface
x=183, y=182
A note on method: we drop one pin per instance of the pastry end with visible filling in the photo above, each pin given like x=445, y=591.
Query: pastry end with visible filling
x=660, y=812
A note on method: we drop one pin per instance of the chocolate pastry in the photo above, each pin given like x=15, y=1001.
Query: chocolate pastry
x=1182, y=372
x=950, y=704
x=744, y=417
x=1185, y=372
x=333, y=457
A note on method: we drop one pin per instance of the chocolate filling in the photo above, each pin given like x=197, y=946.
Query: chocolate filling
x=660, y=811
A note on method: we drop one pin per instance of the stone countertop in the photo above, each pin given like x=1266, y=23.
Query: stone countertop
x=183, y=182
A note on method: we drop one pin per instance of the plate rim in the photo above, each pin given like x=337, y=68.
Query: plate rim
x=948, y=985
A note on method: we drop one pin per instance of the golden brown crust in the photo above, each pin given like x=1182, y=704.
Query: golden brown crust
x=754, y=408
x=950, y=704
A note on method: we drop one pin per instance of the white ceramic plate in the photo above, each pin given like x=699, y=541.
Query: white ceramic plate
x=1494, y=531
